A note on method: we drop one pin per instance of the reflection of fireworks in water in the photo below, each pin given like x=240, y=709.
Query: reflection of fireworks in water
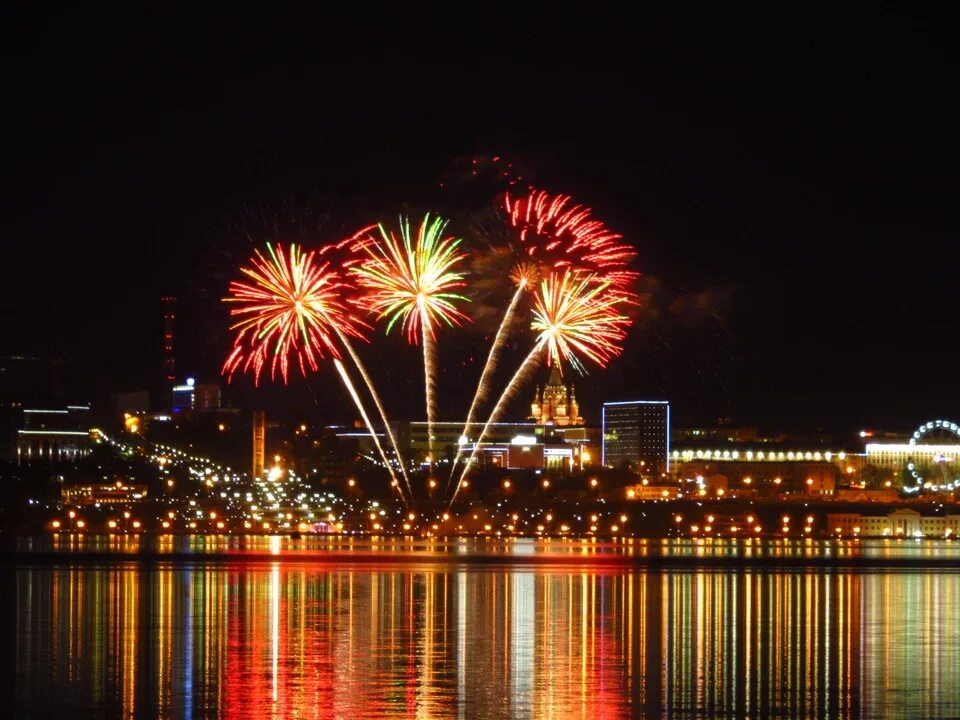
x=411, y=280
x=571, y=314
x=290, y=309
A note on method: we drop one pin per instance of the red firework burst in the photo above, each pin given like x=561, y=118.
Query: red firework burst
x=292, y=307
x=556, y=234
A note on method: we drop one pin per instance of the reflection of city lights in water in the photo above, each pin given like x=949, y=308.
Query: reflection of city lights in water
x=275, y=621
x=249, y=640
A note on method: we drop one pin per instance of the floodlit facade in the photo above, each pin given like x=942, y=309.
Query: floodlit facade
x=555, y=403
x=54, y=434
x=194, y=396
x=900, y=523
x=930, y=456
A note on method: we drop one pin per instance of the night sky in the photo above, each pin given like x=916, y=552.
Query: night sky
x=789, y=182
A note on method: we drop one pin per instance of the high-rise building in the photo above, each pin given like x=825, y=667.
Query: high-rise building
x=194, y=396
x=637, y=433
x=52, y=435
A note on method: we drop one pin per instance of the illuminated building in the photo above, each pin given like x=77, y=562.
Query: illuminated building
x=54, y=434
x=899, y=523
x=196, y=397
x=930, y=456
x=524, y=452
x=27, y=381
x=637, y=434
x=555, y=403
x=755, y=469
x=718, y=434
x=450, y=434
x=511, y=445
x=643, y=491
x=117, y=493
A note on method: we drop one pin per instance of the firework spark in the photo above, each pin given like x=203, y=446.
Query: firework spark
x=550, y=235
x=556, y=233
x=575, y=314
x=411, y=280
x=572, y=314
x=289, y=311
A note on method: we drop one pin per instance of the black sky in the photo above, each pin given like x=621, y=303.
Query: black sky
x=796, y=173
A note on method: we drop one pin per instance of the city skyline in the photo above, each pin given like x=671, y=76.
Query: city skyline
x=565, y=361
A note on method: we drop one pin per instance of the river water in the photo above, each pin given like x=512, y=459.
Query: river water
x=440, y=636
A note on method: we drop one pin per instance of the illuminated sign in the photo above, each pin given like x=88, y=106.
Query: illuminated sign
x=523, y=440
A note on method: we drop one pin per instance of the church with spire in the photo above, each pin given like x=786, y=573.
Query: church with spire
x=555, y=403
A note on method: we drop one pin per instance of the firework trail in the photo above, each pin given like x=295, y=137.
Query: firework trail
x=289, y=310
x=292, y=307
x=489, y=367
x=383, y=413
x=550, y=234
x=572, y=314
x=411, y=280
x=530, y=364
x=366, y=419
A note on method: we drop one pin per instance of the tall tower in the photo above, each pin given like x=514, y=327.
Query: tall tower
x=169, y=367
x=259, y=441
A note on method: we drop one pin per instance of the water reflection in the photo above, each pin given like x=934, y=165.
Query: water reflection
x=284, y=640
x=625, y=550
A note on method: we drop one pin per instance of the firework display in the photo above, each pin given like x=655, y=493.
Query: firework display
x=555, y=233
x=568, y=270
x=411, y=280
x=577, y=315
x=571, y=314
x=291, y=309
x=550, y=234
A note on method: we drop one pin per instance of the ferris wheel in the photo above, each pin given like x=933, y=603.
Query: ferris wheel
x=941, y=468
